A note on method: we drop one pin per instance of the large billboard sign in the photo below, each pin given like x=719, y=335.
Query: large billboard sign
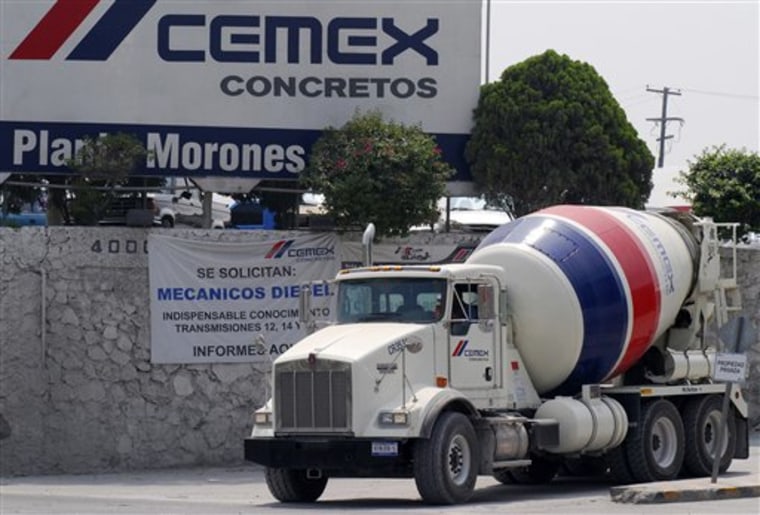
x=237, y=88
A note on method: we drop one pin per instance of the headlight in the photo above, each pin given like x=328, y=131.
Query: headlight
x=393, y=418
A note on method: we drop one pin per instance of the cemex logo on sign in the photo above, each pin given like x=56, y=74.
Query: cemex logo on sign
x=223, y=32
x=65, y=16
x=283, y=248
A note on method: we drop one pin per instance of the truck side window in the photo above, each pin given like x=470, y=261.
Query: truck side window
x=464, y=309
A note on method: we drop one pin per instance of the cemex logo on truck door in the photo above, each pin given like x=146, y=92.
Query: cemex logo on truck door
x=63, y=18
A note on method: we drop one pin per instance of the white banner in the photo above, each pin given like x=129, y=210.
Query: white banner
x=210, y=301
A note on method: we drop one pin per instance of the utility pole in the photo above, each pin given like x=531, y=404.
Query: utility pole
x=663, y=120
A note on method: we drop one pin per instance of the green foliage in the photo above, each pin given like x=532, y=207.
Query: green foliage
x=551, y=132
x=110, y=158
x=725, y=184
x=101, y=165
x=374, y=171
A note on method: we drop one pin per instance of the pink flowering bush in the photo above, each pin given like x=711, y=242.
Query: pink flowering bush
x=375, y=171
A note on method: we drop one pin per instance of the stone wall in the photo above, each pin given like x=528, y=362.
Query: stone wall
x=748, y=278
x=78, y=392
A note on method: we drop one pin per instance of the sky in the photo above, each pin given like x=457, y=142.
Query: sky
x=707, y=50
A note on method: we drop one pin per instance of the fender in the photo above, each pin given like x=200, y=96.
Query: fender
x=436, y=401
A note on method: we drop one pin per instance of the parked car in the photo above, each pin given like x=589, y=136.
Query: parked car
x=184, y=206
x=30, y=214
x=467, y=214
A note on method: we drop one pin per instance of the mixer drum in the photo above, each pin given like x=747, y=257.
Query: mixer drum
x=589, y=288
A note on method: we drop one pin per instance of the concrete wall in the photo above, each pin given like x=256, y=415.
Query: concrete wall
x=748, y=278
x=77, y=389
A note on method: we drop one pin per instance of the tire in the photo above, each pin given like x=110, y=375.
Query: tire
x=289, y=485
x=702, y=418
x=656, y=451
x=539, y=472
x=167, y=221
x=446, y=464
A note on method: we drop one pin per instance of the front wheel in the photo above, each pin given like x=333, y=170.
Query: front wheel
x=289, y=485
x=446, y=465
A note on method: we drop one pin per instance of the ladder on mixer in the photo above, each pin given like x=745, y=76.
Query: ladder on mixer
x=727, y=295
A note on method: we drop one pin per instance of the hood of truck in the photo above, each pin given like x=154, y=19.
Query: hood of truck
x=353, y=342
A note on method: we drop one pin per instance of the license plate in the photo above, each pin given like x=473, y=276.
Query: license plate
x=384, y=448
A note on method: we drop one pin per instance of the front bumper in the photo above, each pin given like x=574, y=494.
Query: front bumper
x=337, y=458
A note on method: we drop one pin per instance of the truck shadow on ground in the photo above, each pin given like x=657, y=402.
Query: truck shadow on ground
x=568, y=488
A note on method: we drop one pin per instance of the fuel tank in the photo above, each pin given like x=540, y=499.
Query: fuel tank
x=590, y=288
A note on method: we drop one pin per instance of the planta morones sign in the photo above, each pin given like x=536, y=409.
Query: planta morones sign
x=223, y=87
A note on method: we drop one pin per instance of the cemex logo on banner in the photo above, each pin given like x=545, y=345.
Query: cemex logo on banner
x=283, y=248
x=65, y=16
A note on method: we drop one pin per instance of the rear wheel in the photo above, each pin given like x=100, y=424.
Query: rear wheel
x=702, y=419
x=289, y=485
x=446, y=465
x=167, y=221
x=656, y=451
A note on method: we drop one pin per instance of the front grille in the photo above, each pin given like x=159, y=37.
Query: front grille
x=313, y=398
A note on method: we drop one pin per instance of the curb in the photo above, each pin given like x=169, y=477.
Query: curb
x=645, y=494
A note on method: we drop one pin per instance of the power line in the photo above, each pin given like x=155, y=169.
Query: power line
x=722, y=94
x=663, y=120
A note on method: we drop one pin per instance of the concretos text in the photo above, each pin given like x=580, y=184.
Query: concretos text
x=329, y=87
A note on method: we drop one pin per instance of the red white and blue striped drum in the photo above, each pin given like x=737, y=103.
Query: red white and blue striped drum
x=589, y=288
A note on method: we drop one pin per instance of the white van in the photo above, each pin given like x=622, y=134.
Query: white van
x=185, y=206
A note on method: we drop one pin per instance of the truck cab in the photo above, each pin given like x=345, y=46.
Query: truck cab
x=408, y=341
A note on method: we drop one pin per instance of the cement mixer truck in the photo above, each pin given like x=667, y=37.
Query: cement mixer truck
x=574, y=335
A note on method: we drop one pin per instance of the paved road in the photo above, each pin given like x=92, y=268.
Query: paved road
x=242, y=490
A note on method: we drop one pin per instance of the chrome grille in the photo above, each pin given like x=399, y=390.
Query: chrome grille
x=313, y=398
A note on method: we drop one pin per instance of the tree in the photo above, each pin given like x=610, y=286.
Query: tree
x=374, y=171
x=551, y=132
x=725, y=184
x=101, y=165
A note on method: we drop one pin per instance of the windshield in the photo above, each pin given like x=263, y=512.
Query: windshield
x=414, y=300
